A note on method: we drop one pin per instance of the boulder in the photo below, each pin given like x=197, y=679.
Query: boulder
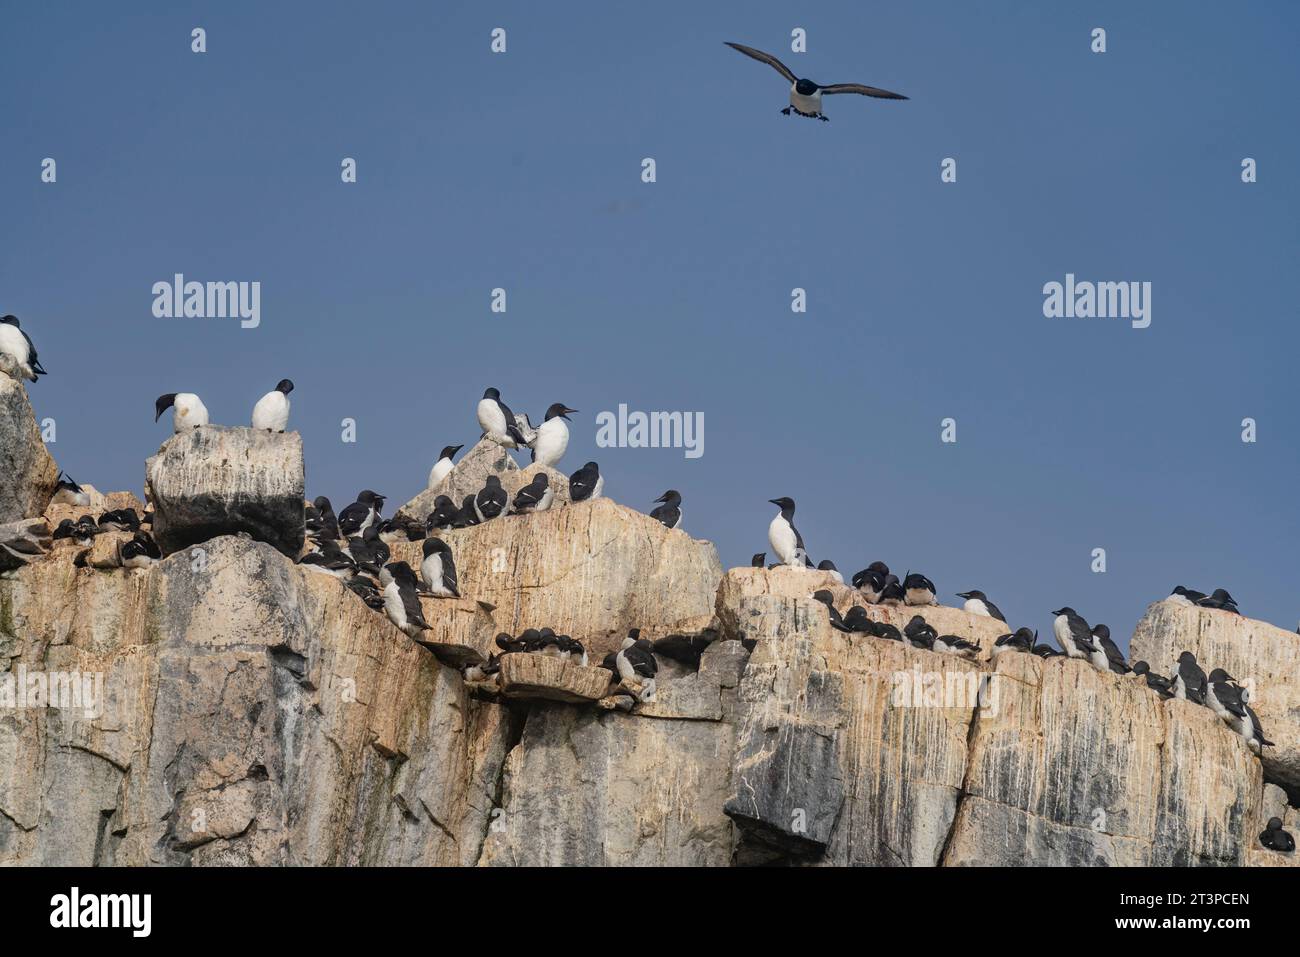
x=219, y=480
x=1259, y=655
x=592, y=570
x=30, y=474
x=544, y=676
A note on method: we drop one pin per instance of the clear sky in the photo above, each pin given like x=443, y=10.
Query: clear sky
x=522, y=170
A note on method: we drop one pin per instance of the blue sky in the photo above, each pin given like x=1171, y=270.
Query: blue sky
x=522, y=170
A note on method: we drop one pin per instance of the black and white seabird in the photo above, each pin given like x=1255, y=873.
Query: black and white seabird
x=189, y=412
x=857, y=619
x=16, y=346
x=1221, y=600
x=956, y=645
x=586, y=483
x=829, y=566
x=120, y=520
x=1022, y=640
x=1107, y=657
x=758, y=560
x=1224, y=697
x=361, y=514
x=323, y=523
x=1073, y=633
x=871, y=581
x=892, y=592
x=787, y=543
x=1157, y=683
x=919, y=633
x=1275, y=838
x=918, y=590
x=686, y=649
x=443, y=515
x=977, y=603
x=1185, y=596
x=552, y=436
x=329, y=558
x=140, y=552
x=883, y=629
x=442, y=468
x=402, y=600
x=438, y=569
x=68, y=492
x=1188, y=680
x=498, y=422
x=272, y=410
x=827, y=599
x=1046, y=651
x=368, y=550
x=466, y=514
x=805, y=95
x=1252, y=732
x=635, y=662
x=536, y=496
x=491, y=500
x=669, y=512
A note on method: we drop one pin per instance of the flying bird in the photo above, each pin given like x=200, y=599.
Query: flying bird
x=272, y=410
x=806, y=95
x=17, y=346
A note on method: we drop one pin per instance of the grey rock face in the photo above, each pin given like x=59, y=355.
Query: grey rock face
x=29, y=473
x=219, y=480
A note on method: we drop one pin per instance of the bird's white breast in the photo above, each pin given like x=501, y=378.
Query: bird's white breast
x=552, y=439
x=490, y=417
x=13, y=344
x=393, y=604
x=974, y=606
x=781, y=537
x=806, y=104
x=189, y=411
x=441, y=469
x=271, y=412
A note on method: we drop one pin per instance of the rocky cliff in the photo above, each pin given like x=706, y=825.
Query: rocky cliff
x=238, y=708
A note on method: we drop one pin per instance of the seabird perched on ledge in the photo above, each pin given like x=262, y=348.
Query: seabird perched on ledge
x=272, y=410
x=977, y=603
x=1073, y=633
x=498, y=422
x=17, y=346
x=188, y=410
x=442, y=468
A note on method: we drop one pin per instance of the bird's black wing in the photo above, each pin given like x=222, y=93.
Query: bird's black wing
x=862, y=90
x=1230, y=698
x=31, y=355
x=449, y=575
x=411, y=605
x=1081, y=633
x=994, y=611
x=762, y=57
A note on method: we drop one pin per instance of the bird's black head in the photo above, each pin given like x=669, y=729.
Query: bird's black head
x=672, y=495
x=162, y=404
x=759, y=559
x=973, y=593
x=825, y=597
x=540, y=480
x=1067, y=610
x=634, y=633
x=1187, y=658
x=491, y=394
x=826, y=565
x=593, y=466
x=805, y=87
x=435, y=544
x=401, y=572
x=374, y=499
x=1219, y=676
x=1101, y=631
x=1274, y=824
x=10, y=320
x=1179, y=590
x=559, y=409
x=1140, y=667
x=322, y=504
x=285, y=386
x=493, y=482
x=783, y=503
x=449, y=451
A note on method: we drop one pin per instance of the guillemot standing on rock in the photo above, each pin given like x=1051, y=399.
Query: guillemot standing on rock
x=918, y=590
x=402, y=601
x=189, y=412
x=438, y=569
x=787, y=543
x=140, y=552
x=443, y=515
x=323, y=522
x=17, y=346
x=977, y=603
x=871, y=581
x=586, y=483
x=1073, y=633
x=805, y=95
x=1221, y=600
x=498, y=422
x=829, y=566
x=552, y=436
x=1188, y=680
x=442, y=468
x=669, y=513
x=272, y=410
x=491, y=500
x=1185, y=596
x=361, y=514
x=1107, y=657
x=635, y=661
x=857, y=619
x=536, y=496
